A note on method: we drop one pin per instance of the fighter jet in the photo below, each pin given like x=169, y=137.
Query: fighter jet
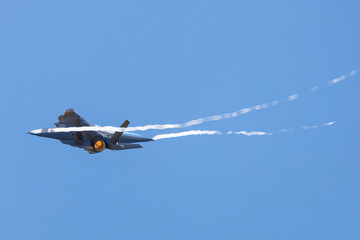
x=91, y=141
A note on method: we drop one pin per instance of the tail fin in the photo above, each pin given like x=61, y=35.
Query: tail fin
x=116, y=136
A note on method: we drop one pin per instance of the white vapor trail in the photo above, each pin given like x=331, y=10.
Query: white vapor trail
x=156, y=126
x=316, y=126
x=248, y=134
x=293, y=97
x=352, y=73
x=187, y=133
x=341, y=78
x=160, y=126
x=328, y=123
x=309, y=127
x=207, y=132
x=313, y=89
x=189, y=123
x=336, y=80
x=286, y=130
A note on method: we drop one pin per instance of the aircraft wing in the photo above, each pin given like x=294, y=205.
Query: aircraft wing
x=70, y=118
x=68, y=138
x=55, y=135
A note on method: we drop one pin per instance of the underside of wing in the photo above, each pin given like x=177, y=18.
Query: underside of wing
x=69, y=138
x=56, y=135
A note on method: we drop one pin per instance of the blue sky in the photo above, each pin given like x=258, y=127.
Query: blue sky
x=157, y=62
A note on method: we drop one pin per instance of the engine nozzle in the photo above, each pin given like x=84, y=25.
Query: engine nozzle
x=98, y=144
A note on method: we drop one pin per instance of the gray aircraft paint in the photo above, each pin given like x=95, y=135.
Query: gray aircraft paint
x=85, y=139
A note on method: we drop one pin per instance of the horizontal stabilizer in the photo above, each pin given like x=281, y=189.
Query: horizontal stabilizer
x=124, y=146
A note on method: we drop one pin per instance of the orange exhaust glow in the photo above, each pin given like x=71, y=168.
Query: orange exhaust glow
x=99, y=145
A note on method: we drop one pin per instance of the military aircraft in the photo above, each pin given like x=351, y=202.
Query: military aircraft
x=91, y=141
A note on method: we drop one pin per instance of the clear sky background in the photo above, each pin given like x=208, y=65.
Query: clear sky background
x=156, y=62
